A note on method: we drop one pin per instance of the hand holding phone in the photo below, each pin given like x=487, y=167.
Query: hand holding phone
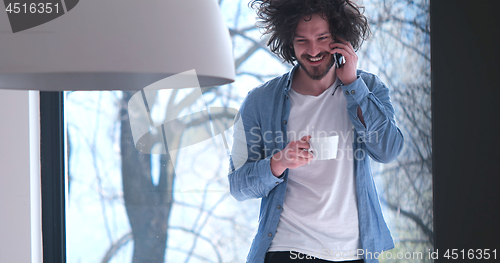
x=345, y=60
x=339, y=60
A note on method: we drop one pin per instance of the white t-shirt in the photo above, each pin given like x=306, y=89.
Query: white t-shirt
x=320, y=214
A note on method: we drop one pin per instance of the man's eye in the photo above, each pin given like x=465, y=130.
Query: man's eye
x=322, y=38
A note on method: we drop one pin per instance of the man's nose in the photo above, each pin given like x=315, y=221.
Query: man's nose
x=314, y=49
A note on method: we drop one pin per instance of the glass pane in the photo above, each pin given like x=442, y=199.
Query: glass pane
x=130, y=206
x=399, y=53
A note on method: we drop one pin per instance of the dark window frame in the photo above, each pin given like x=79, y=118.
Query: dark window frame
x=52, y=170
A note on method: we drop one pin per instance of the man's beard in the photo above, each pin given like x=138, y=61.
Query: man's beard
x=317, y=73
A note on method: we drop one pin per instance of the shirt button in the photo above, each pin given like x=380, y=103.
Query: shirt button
x=284, y=122
x=270, y=234
x=346, y=92
x=353, y=92
x=279, y=207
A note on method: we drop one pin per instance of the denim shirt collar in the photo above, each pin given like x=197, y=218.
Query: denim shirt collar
x=289, y=79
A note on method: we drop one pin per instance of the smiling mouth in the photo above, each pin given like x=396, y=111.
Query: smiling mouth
x=316, y=59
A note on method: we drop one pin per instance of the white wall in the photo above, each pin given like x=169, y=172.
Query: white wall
x=15, y=197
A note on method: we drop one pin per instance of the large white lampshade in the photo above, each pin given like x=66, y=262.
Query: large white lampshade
x=117, y=45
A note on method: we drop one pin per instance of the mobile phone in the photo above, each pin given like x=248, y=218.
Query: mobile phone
x=339, y=60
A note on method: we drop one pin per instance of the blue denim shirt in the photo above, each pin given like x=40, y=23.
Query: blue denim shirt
x=260, y=131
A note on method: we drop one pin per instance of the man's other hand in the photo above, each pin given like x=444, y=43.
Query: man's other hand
x=294, y=155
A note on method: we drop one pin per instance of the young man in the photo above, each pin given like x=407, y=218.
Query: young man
x=316, y=210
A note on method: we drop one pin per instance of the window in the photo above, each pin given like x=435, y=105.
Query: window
x=124, y=205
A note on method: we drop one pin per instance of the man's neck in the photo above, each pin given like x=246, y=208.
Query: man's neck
x=303, y=84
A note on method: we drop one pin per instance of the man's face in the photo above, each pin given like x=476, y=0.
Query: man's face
x=311, y=46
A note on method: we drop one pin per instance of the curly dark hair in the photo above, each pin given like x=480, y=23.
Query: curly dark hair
x=279, y=18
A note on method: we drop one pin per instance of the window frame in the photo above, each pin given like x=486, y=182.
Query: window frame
x=52, y=173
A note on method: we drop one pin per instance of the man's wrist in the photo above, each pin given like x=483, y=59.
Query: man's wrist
x=277, y=168
x=350, y=80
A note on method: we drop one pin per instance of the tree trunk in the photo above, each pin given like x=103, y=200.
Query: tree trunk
x=148, y=206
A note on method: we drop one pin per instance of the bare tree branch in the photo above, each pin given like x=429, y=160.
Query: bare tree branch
x=116, y=246
x=249, y=52
x=198, y=235
x=414, y=217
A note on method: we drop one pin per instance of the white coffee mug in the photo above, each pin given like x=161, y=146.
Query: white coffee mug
x=324, y=148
